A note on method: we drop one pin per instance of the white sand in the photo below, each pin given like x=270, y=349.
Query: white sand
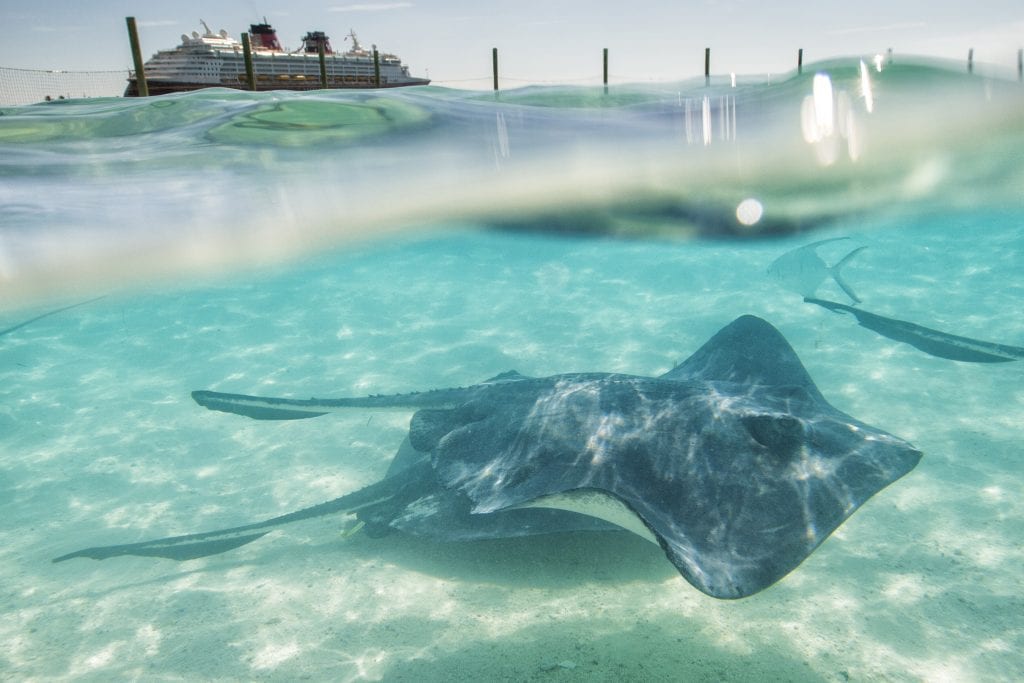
x=101, y=444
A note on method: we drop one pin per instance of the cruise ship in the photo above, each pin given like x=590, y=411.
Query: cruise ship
x=216, y=60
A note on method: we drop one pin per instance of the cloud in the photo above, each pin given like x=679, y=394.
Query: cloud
x=876, y=29
x=67, y=28
x=371, y=7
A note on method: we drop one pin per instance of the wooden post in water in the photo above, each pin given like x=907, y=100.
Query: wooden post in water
x=707, y=66
x=970, y=61
x=606, y=70
x=323, y=66
x=494, y=65
x=140, y=73
x=800, y=61
x=250, y=73
x=1020, y=65
x=376, y=67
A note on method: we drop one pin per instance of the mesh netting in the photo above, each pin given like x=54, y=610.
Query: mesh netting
x=28, y=86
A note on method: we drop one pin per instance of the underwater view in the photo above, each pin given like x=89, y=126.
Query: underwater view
x=693, y=381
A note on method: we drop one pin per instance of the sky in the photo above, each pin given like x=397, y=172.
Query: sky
x=539, y=41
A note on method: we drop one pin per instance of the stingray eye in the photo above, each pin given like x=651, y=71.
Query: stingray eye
x=429, y=425
x=780, y=434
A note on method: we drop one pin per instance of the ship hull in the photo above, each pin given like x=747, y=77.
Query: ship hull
x=164, y=87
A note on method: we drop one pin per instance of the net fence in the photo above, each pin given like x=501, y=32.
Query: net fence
x=28, y=86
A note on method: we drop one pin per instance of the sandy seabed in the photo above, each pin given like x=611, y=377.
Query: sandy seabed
x=101, y=444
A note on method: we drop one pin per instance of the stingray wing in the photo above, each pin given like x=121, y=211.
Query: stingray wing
x=747, y=351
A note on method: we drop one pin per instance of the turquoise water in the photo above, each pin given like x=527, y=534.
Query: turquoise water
x=346, y=244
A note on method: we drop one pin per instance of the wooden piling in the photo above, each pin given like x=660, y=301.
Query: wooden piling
x=800, y=61
x=970, y=61
x=1020, y=65
x=494, y=65
x=376, y=68
x=250, y=73
x=140, y=73
x=707, y=66
x=323, y=65
x=606, y=69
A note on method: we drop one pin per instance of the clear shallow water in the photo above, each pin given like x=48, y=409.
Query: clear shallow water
x=101, y=443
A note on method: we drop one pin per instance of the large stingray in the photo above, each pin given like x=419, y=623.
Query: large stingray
x=733, y=462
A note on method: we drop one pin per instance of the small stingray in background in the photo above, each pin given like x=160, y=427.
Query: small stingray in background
x=802, y=270
x=732, y=462
x=934, y=342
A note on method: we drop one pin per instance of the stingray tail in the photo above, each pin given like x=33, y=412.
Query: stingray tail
x=831, y=305
x=192, y=546
x=836, y=273
x=270, y=408
x=259, y=407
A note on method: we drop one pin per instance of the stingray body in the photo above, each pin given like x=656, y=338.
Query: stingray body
x=733, y=462
x=802, y=270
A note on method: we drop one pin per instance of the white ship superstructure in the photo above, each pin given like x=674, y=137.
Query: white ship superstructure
x=211, y=60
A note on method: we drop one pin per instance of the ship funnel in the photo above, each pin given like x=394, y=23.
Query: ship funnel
x=312, y=41
x=264, y=36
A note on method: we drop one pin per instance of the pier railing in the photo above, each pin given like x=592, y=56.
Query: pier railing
x=28, y=86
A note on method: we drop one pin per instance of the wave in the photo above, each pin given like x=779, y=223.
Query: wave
x=112, y=192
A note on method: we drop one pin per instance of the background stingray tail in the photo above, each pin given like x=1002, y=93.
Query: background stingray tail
x=836, y=272
x=192, y=546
